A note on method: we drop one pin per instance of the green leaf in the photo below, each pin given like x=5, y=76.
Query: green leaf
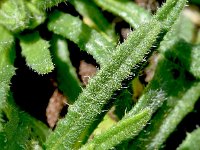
x=19, y=15
x=169, y=13
x=45, y=4
x=191, y=142
x=36, y=52
x=182, y=29
x=70, y=131
x=186, y=55
x=129, y=11
x=14, y=15
x=173, y=82
x=183, y=107
x=20, y=129
x=86, y=38
x=94, y=16
x=105, y=124
x=68, y=81
x=153, y=97
x=195, y=1
x=124, y=102
x=7, y=69
x=36, y=16
x=123, y=130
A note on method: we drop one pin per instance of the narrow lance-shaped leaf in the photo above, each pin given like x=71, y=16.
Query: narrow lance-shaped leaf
x=153, y=97
x=36, y=52
x=82, y=114
x=95, y=18
x=68, y=81
x=123, y=130
x=183, y=107
x=7, y=69
x=86, y=38
x=178, y=103
x=129, y=11
x=169, y=13
x=192, y=141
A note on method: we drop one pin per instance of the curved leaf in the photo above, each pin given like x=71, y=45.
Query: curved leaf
x=86, y=38
x=129, y=11
x=36, y=52
x=70, y=131
x=7, y=69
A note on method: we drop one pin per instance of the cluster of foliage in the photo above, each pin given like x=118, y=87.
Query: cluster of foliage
x=147, y=123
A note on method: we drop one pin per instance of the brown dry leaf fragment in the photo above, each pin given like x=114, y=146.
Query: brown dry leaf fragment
x=150, y=5
x=138, y=88
x=125, y=32
x=149, y=71
x=192, y=12
x=86, y=71
x=56, y=104
x=112, y=115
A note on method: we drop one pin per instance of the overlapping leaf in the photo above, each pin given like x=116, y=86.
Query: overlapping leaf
x=36, y=52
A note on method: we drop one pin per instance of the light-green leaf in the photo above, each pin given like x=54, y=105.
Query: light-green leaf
x=86, y=38
x=19, y=15
x=36, y=52
x=14, y=15
x=173, y=83
x=123, y=130
x=192, y=141
x=7, y=69
x=71, y=130
x=20, y=128
x=169, y=13
x=94, y=16
x=129, y=11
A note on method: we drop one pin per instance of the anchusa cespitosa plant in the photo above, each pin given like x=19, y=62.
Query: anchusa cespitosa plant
x=44, y=34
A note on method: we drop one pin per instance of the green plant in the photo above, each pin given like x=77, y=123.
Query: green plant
x=148, y=123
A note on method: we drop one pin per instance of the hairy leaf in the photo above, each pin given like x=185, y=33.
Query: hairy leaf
x=123, y=130
x=191, y=142
x=36, y=52
x=82, y=114
x=169, y=13
x=14, y=15
x=36, y=16
x=86, y=38
x=7, y=69
x=19, y=15
x=129, y=11
x=93, y=17
x=20, y=129
x=177, y=105
x=45, y=4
